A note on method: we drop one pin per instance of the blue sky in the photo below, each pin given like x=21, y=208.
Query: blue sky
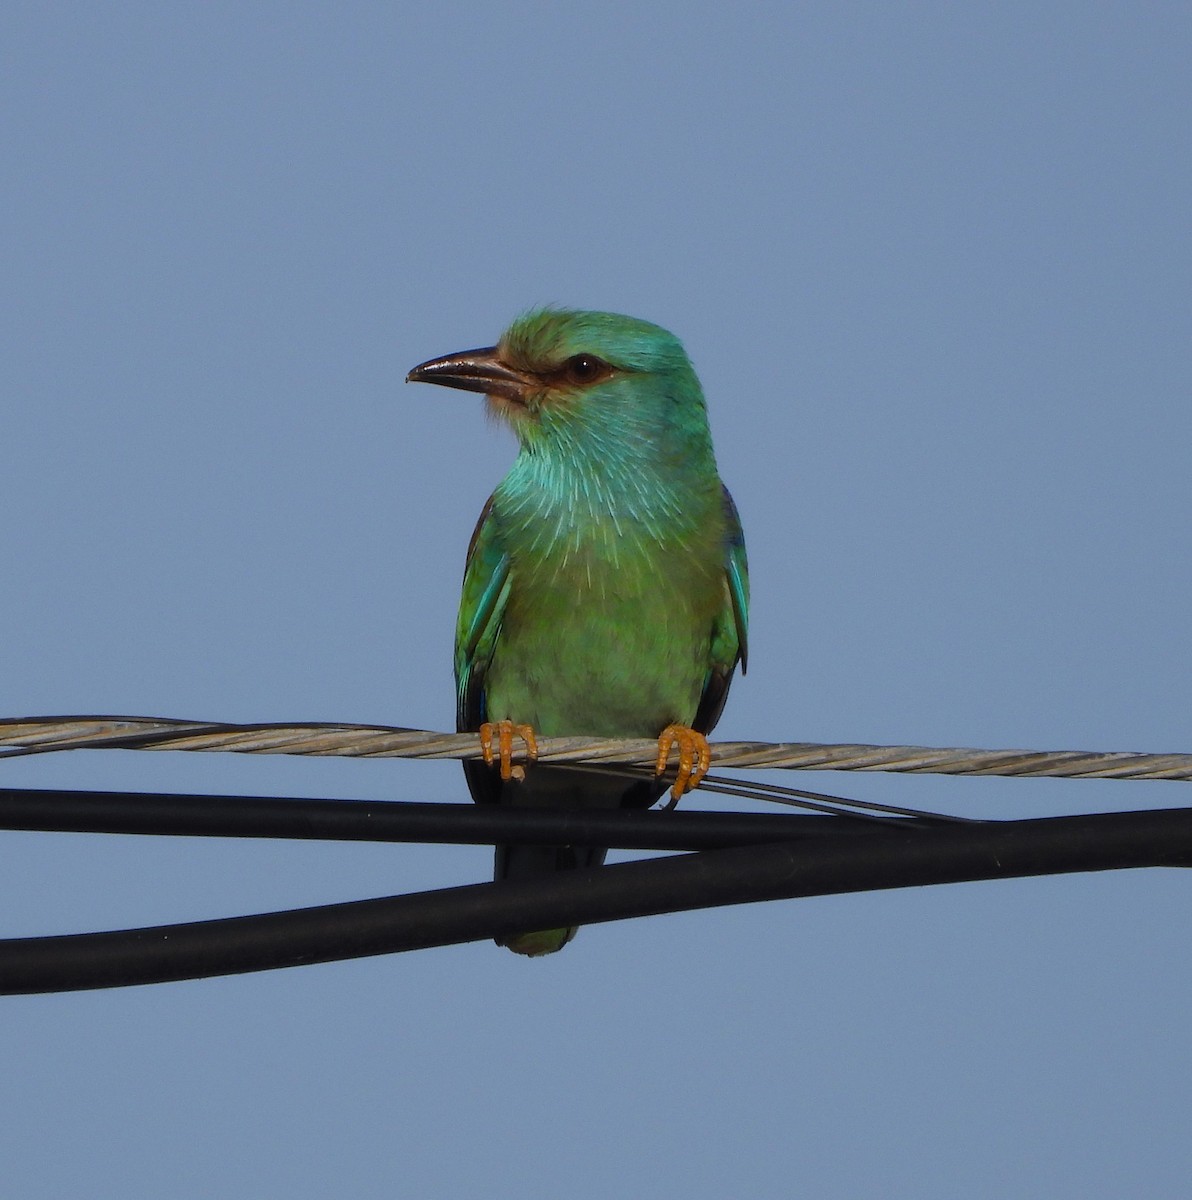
x=932, y=263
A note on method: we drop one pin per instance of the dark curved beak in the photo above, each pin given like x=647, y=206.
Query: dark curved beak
x=475, y=371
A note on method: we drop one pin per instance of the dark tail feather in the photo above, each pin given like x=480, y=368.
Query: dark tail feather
x=525, y=862
x=558, y=787
x=520, y=862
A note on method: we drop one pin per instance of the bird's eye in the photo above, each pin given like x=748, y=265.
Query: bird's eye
x=584, y=368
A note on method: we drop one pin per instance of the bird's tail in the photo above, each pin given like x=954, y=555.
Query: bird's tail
x=526, y=862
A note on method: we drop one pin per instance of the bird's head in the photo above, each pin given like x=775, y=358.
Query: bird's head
x=558, y=375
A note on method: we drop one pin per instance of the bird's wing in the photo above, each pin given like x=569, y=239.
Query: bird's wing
x=481, y=608
x=730, y=630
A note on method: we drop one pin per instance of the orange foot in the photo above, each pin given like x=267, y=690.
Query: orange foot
x=695, y=757
x=504, y=732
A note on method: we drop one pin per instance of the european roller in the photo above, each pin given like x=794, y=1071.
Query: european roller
x=606, y=591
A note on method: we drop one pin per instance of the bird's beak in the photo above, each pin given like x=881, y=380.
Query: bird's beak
x=476, y=371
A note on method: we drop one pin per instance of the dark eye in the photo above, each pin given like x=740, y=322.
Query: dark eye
x=584, y=368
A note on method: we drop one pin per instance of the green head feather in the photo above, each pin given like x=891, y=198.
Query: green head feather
x=609, y=391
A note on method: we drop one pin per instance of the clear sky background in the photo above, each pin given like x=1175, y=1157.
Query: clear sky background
x=932, y=263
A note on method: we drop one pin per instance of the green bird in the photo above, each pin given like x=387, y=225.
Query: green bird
x=606, y=590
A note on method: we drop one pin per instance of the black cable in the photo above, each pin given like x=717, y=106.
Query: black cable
x=399, y=821
x=888, y=859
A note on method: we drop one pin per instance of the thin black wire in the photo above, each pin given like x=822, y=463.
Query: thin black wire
x=819, y=801
x=775, y=793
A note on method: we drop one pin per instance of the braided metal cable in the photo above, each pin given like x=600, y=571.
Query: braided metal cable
x=38, y=735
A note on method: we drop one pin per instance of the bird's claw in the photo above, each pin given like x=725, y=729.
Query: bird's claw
x=695, y=757
x=504, y=733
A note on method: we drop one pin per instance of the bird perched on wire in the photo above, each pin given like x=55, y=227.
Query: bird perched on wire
x=606, y=590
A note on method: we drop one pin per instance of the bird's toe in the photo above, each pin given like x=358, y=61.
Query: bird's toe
x=695, y=757
x=503, y=732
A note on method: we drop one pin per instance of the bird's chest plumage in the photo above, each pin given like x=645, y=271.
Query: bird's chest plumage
x=608, y=625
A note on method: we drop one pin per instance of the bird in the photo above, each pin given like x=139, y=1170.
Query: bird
x=606, y=586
